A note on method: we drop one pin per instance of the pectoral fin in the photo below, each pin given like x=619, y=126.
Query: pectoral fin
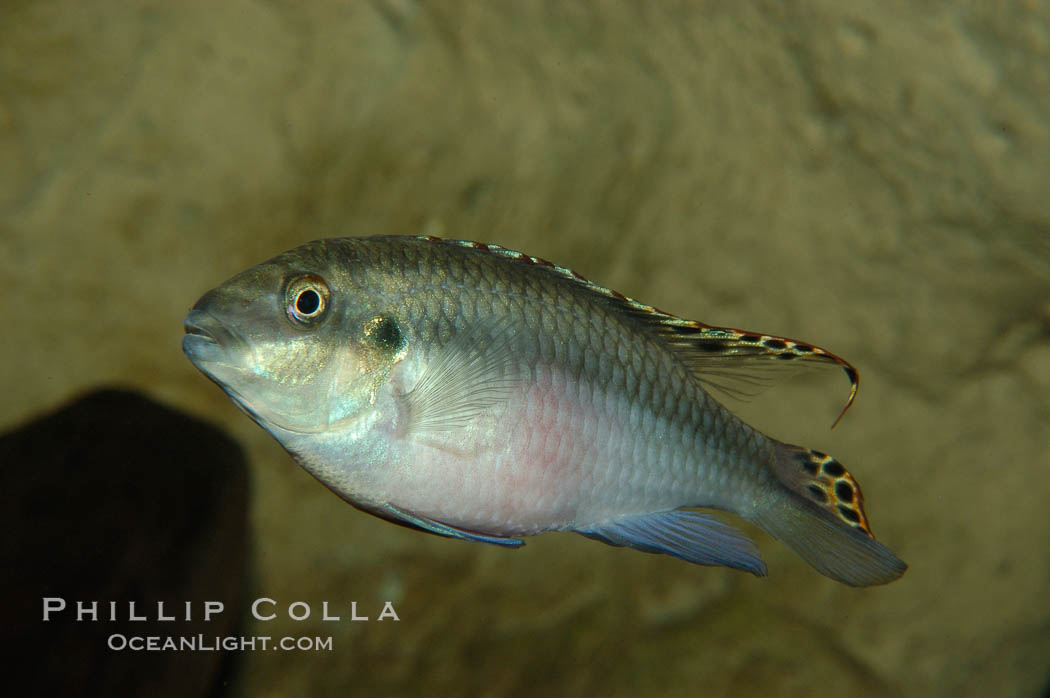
x=422, y=523
x=475, y=371
x=688, y=535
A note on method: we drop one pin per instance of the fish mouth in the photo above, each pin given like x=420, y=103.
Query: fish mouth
x=207, y=340
x=202, y=324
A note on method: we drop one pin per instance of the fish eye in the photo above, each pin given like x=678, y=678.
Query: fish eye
x=306, y=300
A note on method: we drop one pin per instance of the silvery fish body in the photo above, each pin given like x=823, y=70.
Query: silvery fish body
x=479, y=393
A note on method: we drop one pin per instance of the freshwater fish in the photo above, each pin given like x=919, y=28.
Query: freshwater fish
x=478, y=393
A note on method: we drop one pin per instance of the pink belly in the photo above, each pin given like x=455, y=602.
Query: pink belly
x=524, y=468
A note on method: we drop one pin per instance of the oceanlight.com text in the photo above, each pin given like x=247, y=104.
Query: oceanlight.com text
x=214, y=643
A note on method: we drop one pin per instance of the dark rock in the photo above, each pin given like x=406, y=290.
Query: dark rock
x=116, y=498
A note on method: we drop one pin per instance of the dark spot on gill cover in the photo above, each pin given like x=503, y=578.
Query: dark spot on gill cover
x=384, y=333
x=834, y=468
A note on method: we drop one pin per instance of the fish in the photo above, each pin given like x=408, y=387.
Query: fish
x=478, y=393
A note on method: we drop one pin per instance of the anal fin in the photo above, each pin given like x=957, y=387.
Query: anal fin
x=688, y=535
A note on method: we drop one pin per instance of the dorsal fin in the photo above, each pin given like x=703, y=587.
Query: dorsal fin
x=708, y=346
x=705, y=347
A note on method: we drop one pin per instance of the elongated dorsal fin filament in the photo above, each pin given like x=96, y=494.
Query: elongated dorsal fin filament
x=720, y=357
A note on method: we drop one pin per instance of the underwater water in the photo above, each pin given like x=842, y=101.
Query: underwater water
x=868, y=178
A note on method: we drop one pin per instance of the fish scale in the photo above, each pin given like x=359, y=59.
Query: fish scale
x=479, y=393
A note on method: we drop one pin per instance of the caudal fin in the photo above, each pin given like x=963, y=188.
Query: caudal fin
x=821, y=516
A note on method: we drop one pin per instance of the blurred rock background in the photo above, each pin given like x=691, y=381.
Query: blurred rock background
x=869, y=176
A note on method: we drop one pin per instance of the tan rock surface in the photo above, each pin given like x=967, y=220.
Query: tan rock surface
x=870, y=176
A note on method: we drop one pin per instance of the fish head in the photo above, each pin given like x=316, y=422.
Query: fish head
x=296, y=342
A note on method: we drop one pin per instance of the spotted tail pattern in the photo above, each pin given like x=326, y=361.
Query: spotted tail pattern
x=822, y=479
